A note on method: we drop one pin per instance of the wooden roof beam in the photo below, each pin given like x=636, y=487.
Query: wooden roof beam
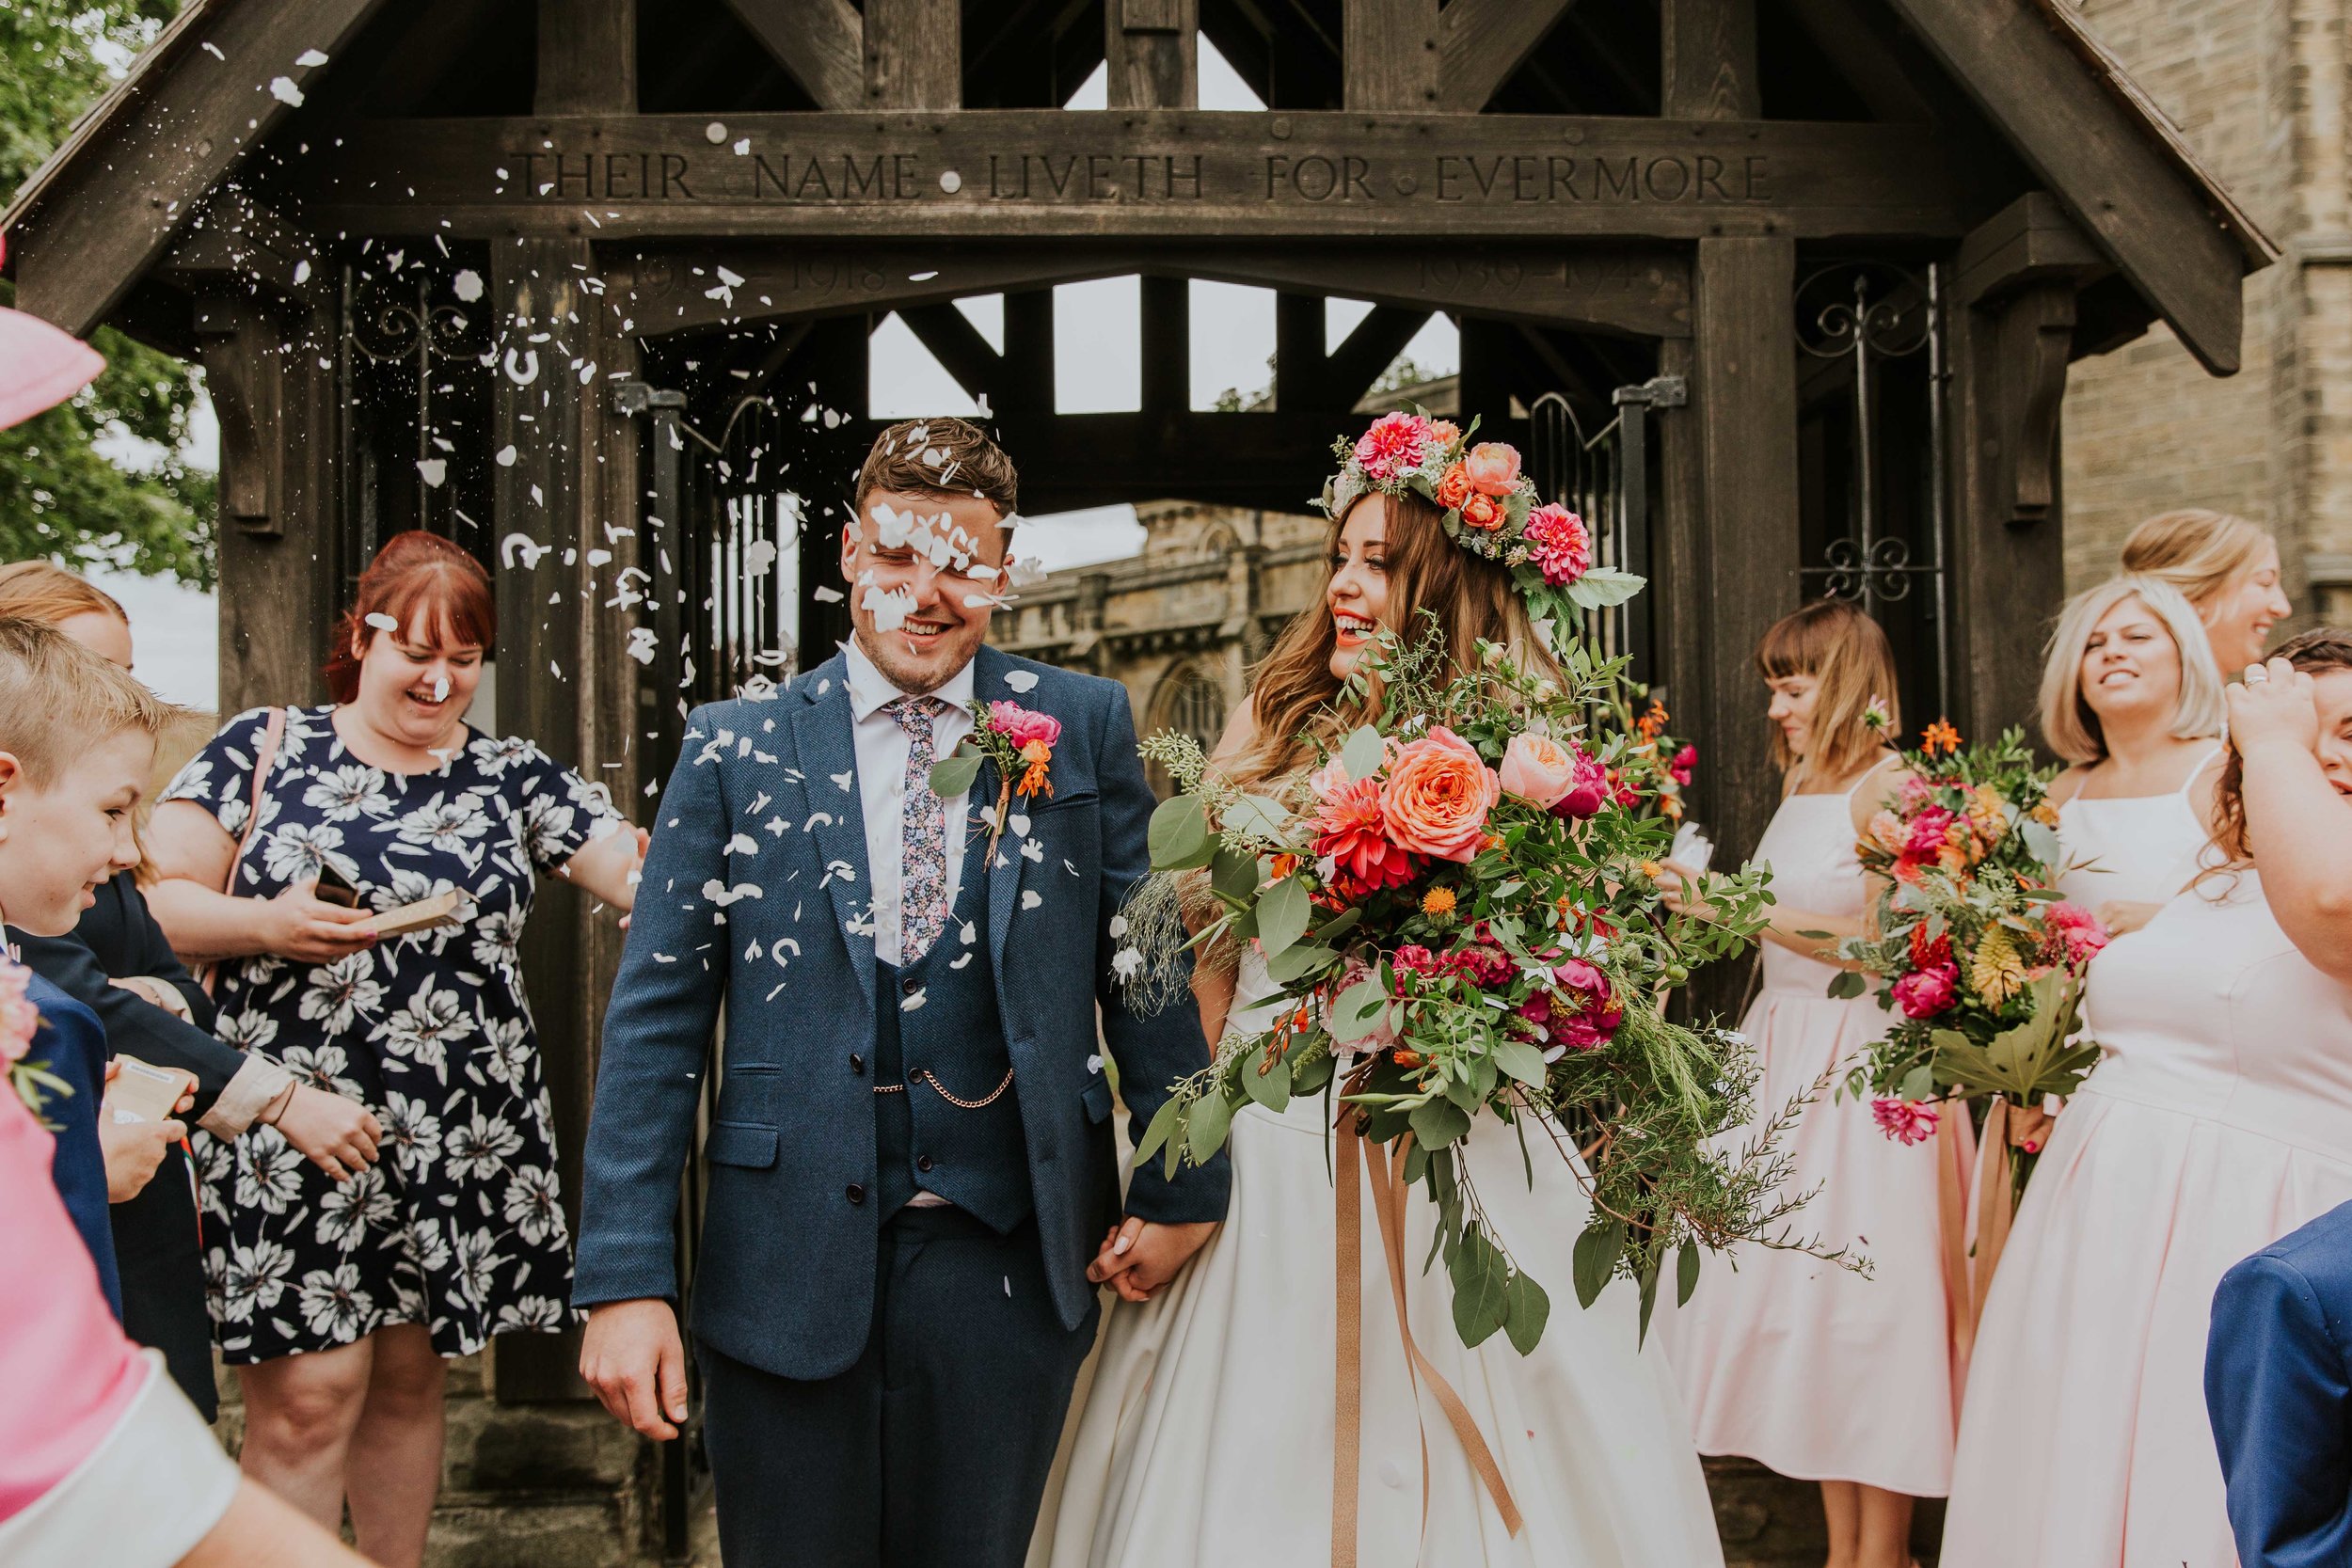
x=2138, y=205
x=1482, y=42
x=1152, y=53
x=1388, y=54
x=115, y=205
x=960, y=349
x=820, y=43
x=1366, y=351
x=587, y=57
x=914, y=55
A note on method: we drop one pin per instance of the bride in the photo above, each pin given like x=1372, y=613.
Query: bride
x=1207, y=1435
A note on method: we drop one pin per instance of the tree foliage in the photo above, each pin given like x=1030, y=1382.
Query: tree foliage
x=60, y=495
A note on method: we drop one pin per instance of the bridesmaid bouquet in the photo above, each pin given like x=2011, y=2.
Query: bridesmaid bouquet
x=1975, y=949
x=1454, y=907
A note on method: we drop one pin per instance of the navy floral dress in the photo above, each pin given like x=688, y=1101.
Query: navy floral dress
x=457, y=1225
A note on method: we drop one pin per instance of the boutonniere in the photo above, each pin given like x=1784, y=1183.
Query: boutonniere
x=20, y=1020
x=1020, y=741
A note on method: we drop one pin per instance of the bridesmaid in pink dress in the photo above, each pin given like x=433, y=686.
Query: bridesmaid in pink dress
x=2220, y=1120
x=1803, y=1365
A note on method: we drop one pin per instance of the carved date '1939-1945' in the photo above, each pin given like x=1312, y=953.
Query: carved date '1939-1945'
x=1276, y=179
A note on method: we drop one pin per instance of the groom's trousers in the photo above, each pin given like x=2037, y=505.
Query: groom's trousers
x=932, y=1451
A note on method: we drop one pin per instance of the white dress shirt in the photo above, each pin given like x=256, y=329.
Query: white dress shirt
x=882, y=772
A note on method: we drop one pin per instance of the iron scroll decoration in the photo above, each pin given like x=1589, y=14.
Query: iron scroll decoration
x=396, y=319
x=1867, y=312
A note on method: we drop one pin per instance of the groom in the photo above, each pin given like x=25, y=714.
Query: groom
x=911, y=1164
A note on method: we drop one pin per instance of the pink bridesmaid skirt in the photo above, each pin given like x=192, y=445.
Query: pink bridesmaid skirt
x=1802, y=1365
x=2088, y=1444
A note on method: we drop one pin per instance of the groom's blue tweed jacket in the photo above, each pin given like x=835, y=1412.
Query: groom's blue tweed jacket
x=765, y=798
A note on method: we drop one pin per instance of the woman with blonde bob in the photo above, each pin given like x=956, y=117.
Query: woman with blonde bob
x=2226, y=567
x=2131, y=697
x=1820, y=1373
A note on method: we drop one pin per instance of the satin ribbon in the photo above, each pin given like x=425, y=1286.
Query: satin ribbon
x=1993, y=1207
x=1389, y=1194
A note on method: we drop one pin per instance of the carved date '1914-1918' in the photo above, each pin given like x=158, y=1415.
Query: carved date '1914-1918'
x=1276, y=179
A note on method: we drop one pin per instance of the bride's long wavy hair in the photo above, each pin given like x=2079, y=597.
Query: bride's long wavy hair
x=1296, y=697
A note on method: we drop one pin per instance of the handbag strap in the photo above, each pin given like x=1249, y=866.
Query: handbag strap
x=264, y=758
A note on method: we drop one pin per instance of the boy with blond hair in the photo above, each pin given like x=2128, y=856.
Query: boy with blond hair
x=78, y=739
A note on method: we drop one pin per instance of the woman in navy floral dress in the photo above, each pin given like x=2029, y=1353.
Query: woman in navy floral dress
x=338, y=1294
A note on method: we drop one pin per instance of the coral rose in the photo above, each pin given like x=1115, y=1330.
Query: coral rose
x=1493, y=468
x=1022, y=726
x=1537, y=769
x=1439, y=793
x=1454, y=488
x=1480, y=513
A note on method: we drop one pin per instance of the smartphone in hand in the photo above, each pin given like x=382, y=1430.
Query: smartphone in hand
x=334, y=888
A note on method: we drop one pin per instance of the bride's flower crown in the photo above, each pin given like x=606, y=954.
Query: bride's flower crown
x=1490, y=509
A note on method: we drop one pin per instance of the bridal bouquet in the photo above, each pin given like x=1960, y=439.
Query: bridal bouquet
x=1978, y=953
x=1452, y=906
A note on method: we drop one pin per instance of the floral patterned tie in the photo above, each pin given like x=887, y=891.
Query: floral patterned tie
x=923, y=866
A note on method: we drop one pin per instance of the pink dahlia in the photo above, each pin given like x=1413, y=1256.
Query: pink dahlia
x=1351, y=833
x=1394, y=446
x=1925, y=992
x=1685, y=764
x=1929, y=831
x=1588, y=791
x=2077, y=931
x=1906, y=1121
x=1559, y=544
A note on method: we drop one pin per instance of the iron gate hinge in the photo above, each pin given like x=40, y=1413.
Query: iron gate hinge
x=1659, y=391
x=632, y=397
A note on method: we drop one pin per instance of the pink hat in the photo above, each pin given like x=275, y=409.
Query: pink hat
x=39, y=366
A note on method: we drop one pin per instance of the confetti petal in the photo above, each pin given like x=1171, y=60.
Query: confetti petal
x=1021, y=680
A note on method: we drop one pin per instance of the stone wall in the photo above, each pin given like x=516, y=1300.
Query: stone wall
x=2257, y=87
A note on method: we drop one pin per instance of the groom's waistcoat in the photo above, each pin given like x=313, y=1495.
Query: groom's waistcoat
x=936, y=1028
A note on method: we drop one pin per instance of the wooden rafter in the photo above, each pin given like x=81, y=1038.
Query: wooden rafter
x=1390, y=58
x=2144, y=209
x=1482, y=42
x=110, y=203
x=819, y=42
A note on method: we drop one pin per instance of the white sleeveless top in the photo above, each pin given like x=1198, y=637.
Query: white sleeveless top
x=2141, y=847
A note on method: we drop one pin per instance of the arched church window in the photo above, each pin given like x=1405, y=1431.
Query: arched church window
x=1191, y=701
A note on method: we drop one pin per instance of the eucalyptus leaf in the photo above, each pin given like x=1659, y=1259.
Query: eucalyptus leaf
x=1205, y=1129
x=1522, y=1060
x=1163, y=1127
x=952, y=775
x=1299, y=960
x=1340, y=923
x=1179, y=834
x=1847, y=984
x=1259, y=816
x=1595, y=1257
x=1439, y=1123
x=1266, y=1079
x=1357, y=1011
x=1283, y=915
x=1479, y=1290
x=1525, y=1311
x=1650, y=1301
x=1234, y=873
x=1364, y=753
x=1686, y=1274
x=1604, y=587
x=2041, y=841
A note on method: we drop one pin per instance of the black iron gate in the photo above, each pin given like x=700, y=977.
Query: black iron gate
x=1607, y=478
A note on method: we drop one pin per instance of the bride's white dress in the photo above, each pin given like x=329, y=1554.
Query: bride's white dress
x=1205, y=1439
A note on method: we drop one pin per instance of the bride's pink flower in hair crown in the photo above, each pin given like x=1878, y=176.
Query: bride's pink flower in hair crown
x=1491, y=509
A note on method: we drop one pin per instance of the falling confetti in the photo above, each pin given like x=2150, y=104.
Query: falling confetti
x=311, y=60
x=283, y=89
x=433, y=470
x=382, y=621
x=466, y=285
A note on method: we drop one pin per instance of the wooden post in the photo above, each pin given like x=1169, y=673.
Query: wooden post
x=587, y=57
x=1167, y=345
x=543, y=656
x=1709, y=59
x=1743, y=404
x=280, y=580
x=1389, y=56
x=1151, y=52
x=914, y=53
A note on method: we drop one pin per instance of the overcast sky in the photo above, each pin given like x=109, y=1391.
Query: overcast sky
x=1097, y=368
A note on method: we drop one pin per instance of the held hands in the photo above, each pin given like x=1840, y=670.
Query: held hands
x=1138, y=1257
x=297, y=923
x=632, y=1357
x=338, y=1135
x=2273, y=707
x=133, y=1149
x=2120, y=915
